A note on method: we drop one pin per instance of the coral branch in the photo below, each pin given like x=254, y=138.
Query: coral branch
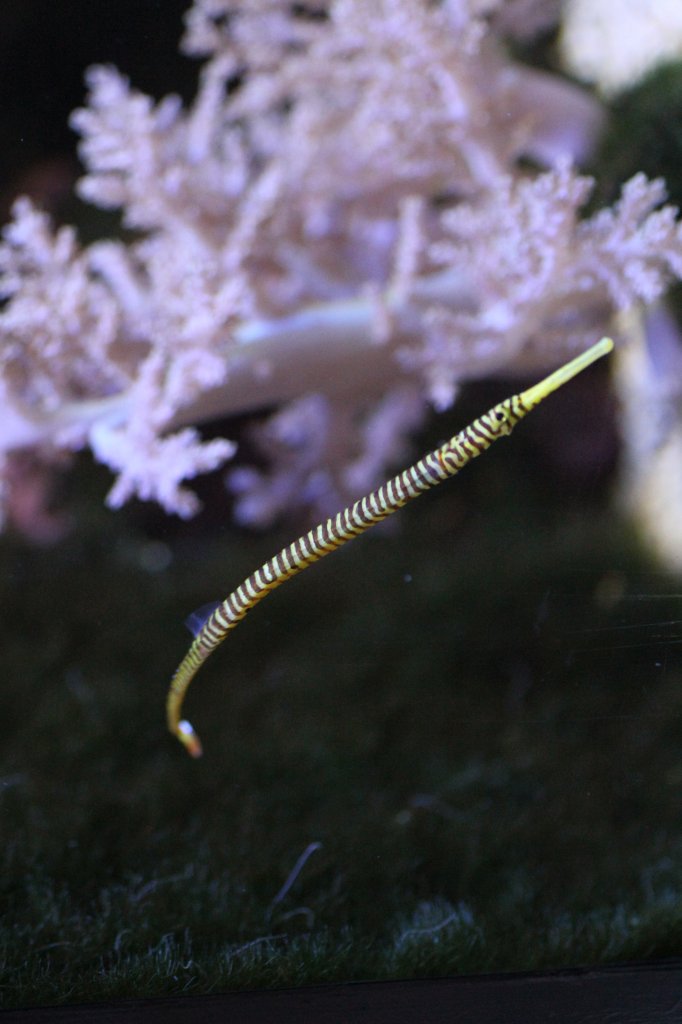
x=343, y=219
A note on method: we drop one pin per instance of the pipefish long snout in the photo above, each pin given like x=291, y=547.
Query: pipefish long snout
x=428, y=472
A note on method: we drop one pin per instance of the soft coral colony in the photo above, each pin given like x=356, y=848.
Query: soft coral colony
x=340, y=228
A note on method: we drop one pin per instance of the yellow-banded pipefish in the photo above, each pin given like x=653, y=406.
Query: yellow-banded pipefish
x=431, y=470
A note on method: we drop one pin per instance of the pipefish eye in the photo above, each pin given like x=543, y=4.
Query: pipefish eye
x=499, y=416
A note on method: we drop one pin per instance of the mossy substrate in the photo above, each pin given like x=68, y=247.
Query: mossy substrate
x=475, y=710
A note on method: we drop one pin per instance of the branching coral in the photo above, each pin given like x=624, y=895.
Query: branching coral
x=342, y=227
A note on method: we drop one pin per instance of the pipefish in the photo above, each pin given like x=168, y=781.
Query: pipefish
x=428, y=472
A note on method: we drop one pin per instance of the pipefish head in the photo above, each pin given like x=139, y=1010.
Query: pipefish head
x=533, y=396
x=501, y=419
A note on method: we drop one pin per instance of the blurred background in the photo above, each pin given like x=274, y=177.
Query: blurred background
x=454, y=746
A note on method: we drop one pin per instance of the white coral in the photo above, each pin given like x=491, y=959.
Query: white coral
x=342, y=212
x=152, y=467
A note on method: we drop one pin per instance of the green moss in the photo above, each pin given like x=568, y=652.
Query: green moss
x=452, y=708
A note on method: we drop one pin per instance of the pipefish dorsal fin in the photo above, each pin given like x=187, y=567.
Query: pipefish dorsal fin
x=197, y=619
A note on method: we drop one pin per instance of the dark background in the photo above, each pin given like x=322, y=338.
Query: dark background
x=45, y=47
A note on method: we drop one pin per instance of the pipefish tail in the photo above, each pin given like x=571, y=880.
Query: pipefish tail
x=430, y=471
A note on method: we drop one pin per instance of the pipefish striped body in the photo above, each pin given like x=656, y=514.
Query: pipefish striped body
x=428, y=472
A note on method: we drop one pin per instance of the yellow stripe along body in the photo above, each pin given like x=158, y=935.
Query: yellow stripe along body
x=431, y=470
